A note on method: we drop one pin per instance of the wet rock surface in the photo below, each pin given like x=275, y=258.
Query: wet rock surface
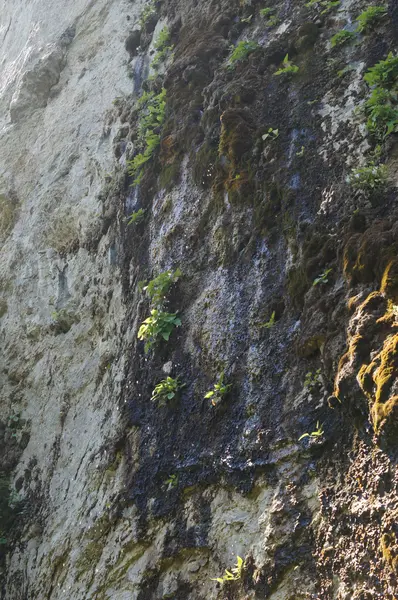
x=288, y=293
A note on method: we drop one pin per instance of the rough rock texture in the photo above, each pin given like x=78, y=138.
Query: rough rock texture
x=243, y=180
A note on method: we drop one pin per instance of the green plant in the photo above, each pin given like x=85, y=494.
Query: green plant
x=342, y=37
x=369, y=17
x=270, y=16
x=384, y=73
x=271, y=134
x=301, y=152
x=323, y=278
x=219, y=391
x=326, y=6
x=158, y=324
x=314, y=434
x=148, y=11
x=288, y=68
x=234, y=574
x=136, y=217
x=151, y=108
x=166, y=390
x=171, y=482
x=381, y=108
x=269, y=323
x=162, y=47
x=313, y=380
x=158, y=287
x=370, y=178
x=241, y=51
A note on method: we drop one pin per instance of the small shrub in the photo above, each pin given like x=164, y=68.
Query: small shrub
x=219, y=390
x=370, y=178
x=159, y=324
x=171, y=482
x=271, y=134
x=162, y=47
x=383, y=74
x=234, y=574
x=288, y=68
x=136, y=217
x=342, y=37
x=323, y=278
x=152, y=108
x=382, y=113
x=166, y=390
x=158, y=287
x=314, y=434
x=241, y=51
x=269, y=323
x=370, y=17
x=313, y=380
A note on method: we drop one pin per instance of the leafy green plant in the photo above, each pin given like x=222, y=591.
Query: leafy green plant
x=381, y=108
x=314, y=434
x=241, y=51
x=233, y=575
x=370, y=17
x=287, y=68
x=162, y=47
x=151, y=108
x=158, y=287
x=219, y=390
x=148, y=11
x=270, y=323
x=136, y=217
x=313, y=380
x=166, y=390
x=323, y=278
x=370, y=178
x=342, y=37
x=271, y=134
x=270, y=15
x=159, y=324
x=171, y=482
x=325, y=6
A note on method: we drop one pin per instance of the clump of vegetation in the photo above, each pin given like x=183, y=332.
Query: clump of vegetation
x=314, y=434
x=151, y=108
x=323, y=278
x=162, y=47
x=241, y=51
x=8, y=214
x=166, y=390
x=234, y=574
x=342, y=37
x=382, y=106
x=157, y=288
x=171, y=482
x=325, y=6
x=271, y=134
x=218, y=392
x=159, y=324
x=370, y=17
x=148, y=12
x=270, y=16
x=313, y=380
x=270, y=323
x=370, y=178
x=136, y=217
x=287, y=68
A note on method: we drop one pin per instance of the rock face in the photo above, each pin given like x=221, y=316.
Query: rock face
x=246, y=154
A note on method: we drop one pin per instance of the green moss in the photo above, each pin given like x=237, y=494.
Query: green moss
x=297, y=285
x=389, y=281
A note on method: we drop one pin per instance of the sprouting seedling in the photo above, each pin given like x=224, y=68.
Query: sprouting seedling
x=234, y=574
x=271, y=134
x=171, y=482
x=287, y=68
x=270, y=323
x=314, y=434
x=323, y=278
x=301, y=151
x=136, y=217
x=218, y=392
x=166, y=390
